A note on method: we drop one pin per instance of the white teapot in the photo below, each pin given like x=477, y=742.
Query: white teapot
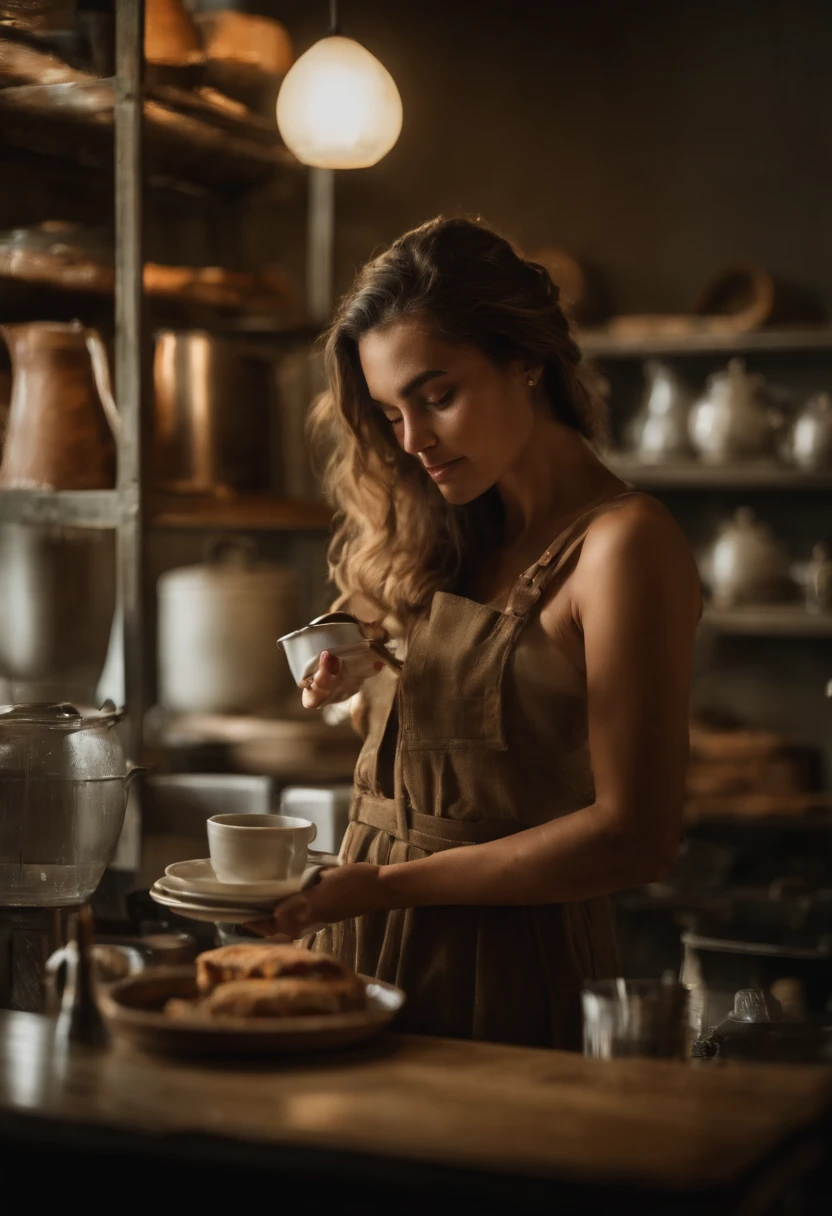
x=746, y=565
x=734, y=418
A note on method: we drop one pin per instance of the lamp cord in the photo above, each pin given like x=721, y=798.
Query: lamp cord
x=333, y=17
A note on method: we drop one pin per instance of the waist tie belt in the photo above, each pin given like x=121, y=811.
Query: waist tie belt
x=429, y=832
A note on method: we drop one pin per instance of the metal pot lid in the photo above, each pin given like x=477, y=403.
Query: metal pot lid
x=39, y=713
x=261, y=576
x=231, y=565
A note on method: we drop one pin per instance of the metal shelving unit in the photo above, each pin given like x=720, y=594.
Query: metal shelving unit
x=769, y=620
x=158, y=135
x=692, y=475
x=608, y=344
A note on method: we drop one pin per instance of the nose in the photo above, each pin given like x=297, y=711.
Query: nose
x=417, y=435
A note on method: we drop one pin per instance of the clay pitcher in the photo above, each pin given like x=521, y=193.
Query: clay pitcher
x=63, y=423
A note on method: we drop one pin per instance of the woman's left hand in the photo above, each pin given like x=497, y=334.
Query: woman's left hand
x=341, y=893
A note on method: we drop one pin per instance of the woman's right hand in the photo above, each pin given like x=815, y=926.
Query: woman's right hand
x=330, y=682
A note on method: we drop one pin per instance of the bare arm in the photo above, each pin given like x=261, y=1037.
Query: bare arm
x=636, y=599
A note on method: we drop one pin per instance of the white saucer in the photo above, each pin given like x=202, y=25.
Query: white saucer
x=226, y=914
x=196, y=879
x=186, y=895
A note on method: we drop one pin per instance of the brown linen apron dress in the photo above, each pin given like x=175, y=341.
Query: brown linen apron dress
x=452, y=758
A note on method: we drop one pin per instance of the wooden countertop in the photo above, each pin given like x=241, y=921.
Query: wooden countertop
x=481, y=1109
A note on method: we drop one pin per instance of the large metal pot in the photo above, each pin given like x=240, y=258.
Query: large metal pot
x=218, y=628
x=211, y=425
x=63, y=794
x=57, y=599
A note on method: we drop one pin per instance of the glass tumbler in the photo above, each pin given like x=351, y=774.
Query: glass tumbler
x=636, y=1018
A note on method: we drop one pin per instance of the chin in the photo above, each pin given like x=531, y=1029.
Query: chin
x=460, y=494
x=456, y=495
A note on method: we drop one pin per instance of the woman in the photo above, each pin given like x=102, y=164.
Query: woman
x=530, y=759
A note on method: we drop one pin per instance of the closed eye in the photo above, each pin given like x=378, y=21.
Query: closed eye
x=444, y=400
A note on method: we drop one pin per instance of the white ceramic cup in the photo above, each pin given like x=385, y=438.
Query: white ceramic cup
x=258, y=848
x=304, y=647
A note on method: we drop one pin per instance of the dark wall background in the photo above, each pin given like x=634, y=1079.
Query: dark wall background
x=653, y=140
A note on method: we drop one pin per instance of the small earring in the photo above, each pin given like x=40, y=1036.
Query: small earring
x=532, y=382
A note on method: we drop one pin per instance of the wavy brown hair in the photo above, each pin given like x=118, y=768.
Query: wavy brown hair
x=396, y=540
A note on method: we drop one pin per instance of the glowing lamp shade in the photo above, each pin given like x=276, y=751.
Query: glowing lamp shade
x=338, y=107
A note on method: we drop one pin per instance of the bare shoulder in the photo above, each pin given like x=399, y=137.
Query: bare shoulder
x=637, y=542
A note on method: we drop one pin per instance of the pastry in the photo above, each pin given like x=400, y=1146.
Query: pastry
x=284, y=997
x=178, y=1007
x=269, y=962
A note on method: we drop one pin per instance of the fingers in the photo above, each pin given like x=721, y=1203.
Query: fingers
x=288, y=922
x=326, y=681
x=291, y=916
x=374, y=631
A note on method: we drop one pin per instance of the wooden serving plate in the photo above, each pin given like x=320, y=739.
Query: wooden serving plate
x=132, y=1009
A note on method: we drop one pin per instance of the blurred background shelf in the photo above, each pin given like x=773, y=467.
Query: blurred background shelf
x=101, y=509
x=604, y=344
x=192, y=139
x=777, y=809
x=697, y=476
x=256, y=513
x=774, y=620
x=75, y=508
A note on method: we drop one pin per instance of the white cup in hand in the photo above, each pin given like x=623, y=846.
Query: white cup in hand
x=330, y=661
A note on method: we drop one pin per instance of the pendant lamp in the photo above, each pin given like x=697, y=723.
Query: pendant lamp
x=338, y=107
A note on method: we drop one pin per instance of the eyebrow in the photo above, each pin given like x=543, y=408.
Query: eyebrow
x=408, y=389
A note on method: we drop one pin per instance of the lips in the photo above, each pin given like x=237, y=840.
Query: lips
x=436, y=470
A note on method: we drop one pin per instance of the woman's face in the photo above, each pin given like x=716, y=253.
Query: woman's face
x=463, y=417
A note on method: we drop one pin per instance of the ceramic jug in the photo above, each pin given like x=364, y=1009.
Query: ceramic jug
x=747, y=565
x=63, y=423
x=660, y=429
x=733, y=419
x=810, y=439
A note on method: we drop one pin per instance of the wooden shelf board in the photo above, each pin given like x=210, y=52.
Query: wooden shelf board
x=604, y=344
x=775, y=620
x=70, y=508
x=256, y=513
x=695, y=476
x=188, y=140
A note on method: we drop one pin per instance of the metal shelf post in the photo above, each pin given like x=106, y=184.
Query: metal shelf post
x=130, y=356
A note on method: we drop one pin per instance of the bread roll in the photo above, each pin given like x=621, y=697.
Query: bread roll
x=284, y=998
x=244, y=962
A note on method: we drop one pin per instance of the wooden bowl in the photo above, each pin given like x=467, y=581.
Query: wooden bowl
x=133, y=1011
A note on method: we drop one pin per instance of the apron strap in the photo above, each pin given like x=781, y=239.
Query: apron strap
x=531, y=584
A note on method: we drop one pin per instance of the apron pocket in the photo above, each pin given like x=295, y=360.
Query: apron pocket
x=457, y=722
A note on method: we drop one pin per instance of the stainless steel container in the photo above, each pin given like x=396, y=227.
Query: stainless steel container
x=212, y=412
x=63, y=794
x=57, y=599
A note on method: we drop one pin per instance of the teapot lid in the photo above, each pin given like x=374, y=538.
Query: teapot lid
x=736, y=377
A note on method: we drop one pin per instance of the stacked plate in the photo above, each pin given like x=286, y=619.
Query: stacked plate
x=192, y=889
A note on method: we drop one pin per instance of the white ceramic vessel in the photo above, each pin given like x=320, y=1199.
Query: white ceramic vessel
x=258, y=848
x=734, y=418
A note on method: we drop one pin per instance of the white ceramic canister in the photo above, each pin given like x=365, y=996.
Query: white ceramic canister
x=218, y=623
